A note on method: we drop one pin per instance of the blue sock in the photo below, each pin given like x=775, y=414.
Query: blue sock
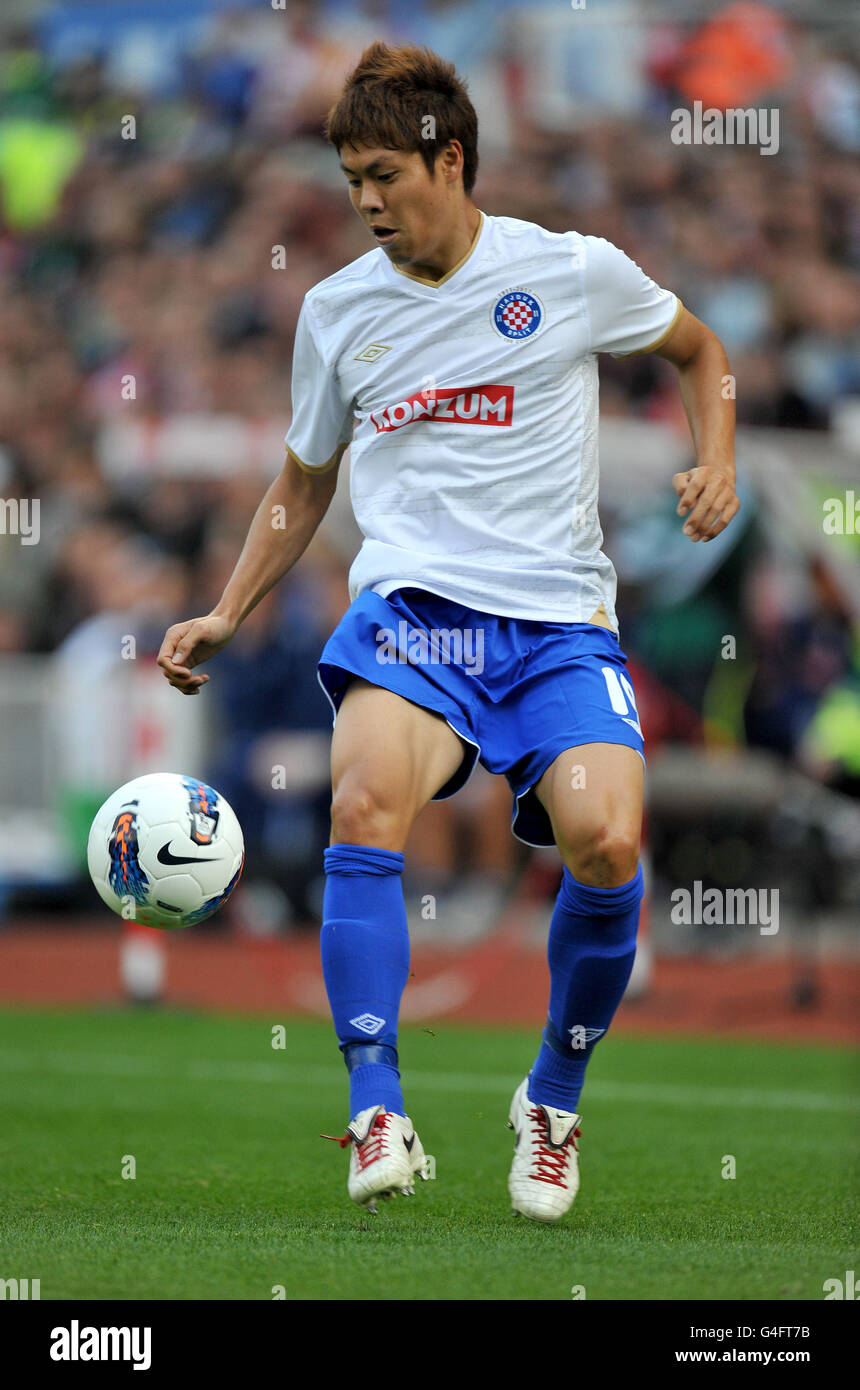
x=365, y=959
x=592, y=943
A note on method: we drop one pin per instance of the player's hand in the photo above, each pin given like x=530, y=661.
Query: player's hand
x=708, y=495
x=188, y=644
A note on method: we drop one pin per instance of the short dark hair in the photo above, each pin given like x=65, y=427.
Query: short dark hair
x=389, y=93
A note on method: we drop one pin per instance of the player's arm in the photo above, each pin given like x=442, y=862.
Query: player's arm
x=707, y=492
x=297, y=501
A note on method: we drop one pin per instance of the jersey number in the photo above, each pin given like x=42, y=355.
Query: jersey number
x=618, y=688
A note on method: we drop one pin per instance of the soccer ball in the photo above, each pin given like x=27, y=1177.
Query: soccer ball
x=165, y=850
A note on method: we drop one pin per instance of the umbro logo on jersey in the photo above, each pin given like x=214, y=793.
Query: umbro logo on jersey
x=476, y=405
x=371, y=352
x=368, y=1023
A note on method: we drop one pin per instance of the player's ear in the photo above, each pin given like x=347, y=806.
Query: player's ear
x=449, y=161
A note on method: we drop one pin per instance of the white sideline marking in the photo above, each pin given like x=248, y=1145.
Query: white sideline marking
x=638, y=1093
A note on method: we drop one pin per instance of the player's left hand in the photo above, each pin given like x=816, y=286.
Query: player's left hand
x=708, y=494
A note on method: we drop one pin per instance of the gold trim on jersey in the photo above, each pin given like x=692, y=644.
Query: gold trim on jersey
x=658, y=342
x=434, y=284
x=324, y=467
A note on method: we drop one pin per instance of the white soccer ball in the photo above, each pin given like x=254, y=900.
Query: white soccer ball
x=165, y=850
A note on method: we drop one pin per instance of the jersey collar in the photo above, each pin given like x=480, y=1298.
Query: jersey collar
x=455, y=269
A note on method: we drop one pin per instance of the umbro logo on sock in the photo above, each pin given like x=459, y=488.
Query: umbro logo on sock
x=579, y=1035
x=408, y=1143
x=368, y=1023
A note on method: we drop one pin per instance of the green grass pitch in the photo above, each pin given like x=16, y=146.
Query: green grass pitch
x=236, y=1194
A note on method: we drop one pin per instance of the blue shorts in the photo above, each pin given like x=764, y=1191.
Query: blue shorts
x=516, y=692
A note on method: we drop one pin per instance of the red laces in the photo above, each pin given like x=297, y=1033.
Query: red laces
x=342, y=1139
x=371, y=1148
x=550, y=1163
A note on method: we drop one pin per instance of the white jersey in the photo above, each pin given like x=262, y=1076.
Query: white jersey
x=471, y=406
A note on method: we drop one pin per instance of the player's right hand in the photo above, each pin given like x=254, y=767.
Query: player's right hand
x=188, y=644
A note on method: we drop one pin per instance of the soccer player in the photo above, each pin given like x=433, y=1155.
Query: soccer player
x=459, y=358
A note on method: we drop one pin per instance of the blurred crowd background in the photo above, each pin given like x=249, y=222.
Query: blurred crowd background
x=145, y=354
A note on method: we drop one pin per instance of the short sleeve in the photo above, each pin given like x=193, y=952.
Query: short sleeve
x=627, y=312
x=322, y=421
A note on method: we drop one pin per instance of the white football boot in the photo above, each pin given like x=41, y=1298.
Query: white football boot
x=386, y=1155
x=544, y=1177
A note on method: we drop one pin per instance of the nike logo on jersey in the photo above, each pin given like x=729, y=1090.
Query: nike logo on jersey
x=165, y=857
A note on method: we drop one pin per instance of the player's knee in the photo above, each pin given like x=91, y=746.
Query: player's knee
x=361, y=815
x=603, y=857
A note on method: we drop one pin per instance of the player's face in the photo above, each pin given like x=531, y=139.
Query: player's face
x=406, y=209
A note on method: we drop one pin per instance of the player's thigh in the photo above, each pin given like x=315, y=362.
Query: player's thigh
x=389, y=757
x=593, y=796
